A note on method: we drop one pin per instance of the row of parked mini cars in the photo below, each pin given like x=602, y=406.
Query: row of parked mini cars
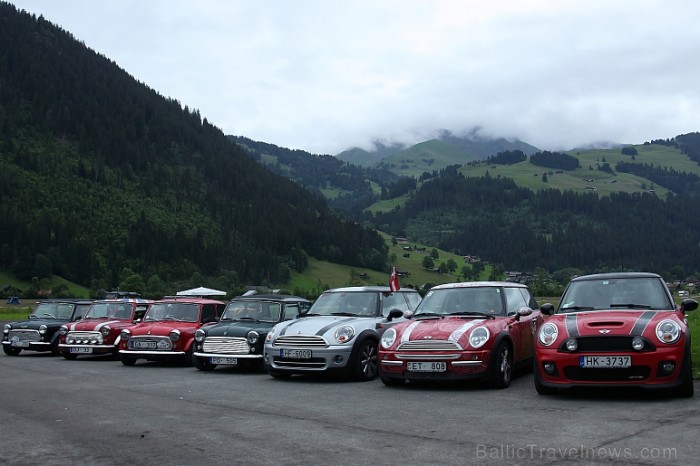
x=615, y=330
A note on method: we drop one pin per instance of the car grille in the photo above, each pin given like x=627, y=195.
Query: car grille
x=301, y=341
x=150, y=343
x=313, y=363
x=629, y=374
x=226, y=345
x=429, y=345
x=603, y=344
x=84, y=338
x=24, y=335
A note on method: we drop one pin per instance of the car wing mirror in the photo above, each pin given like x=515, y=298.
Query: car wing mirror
x=688, y=305
x=522, y=312
x=547, y=309
x=395, y=314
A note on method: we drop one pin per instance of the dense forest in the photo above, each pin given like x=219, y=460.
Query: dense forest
x=103, y=180
x=520, y=229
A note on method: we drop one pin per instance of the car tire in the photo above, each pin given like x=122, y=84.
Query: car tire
x=10, y=351
x=686, y=389
x=202, y=364
x=391, y=382
x=366, y=364
x=69, y=356
x=54, y=348
x=502, y=371
x=188, y=358
x=127, y=360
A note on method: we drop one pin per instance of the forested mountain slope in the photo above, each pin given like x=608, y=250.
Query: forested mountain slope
x=102, y=177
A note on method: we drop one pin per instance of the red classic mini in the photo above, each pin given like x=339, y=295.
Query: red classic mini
x=615, y=330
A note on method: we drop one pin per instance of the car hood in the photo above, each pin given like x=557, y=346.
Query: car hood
x=323, y=325
x=97, y=324
x=607, y=323
x=238, y=329
x=34, y=324
x=448, y=328
x=163, y=328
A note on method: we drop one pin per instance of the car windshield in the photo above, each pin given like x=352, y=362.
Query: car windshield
x=466, y=301
x=109, y=311
x=351, y=303
x=53, y=311
x=181, y=312
x=264, y=311
x=616, y=293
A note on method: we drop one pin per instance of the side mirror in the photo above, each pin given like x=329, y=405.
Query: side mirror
x=395, y=314
x=522, y=312
x=547, y=309
x=688, y=305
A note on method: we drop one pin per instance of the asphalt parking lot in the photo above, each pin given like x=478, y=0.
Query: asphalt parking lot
x=97, y=411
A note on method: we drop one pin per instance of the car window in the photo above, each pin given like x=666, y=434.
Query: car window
x=394, y=301
x=610, y=293
x=515, y=300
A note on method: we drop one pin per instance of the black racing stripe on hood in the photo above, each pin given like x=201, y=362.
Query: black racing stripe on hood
x=572, y=325
x=330, y=326
x=642, y=323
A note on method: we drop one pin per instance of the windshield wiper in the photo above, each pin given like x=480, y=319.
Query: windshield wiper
x=429, y=315
x=248, y=318
x=346, y=314
x=631, y=306
x=472, y=314
x=577, y=308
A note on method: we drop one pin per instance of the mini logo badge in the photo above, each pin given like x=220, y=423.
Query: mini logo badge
x=427, y=337
x=605, y=331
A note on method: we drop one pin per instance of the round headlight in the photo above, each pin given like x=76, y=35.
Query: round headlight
x=344, y=334
x=271, y=334
x=125, y=334
x=388, y=338
x=571, y=344
x=174, y=335
x=63, y=330
x=252, y=337
x=7, y=328
x=668, y=331
x=548, y=334
x=199, y=335
x=42, y=328
x=479, y=337
x=105, y=330
x=638, y=343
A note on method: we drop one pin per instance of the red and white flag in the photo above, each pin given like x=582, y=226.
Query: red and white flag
x=394, y=280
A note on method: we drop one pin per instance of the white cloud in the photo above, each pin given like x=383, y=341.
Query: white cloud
x=326, y=75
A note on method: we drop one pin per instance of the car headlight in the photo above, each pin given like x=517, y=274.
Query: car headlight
x=63, y=330
x=479, y=337
x=105, y=330
x=199, y=335
x=388, y=338
x=548, y=334
x=344, y=334
x=42, y=328
x=271, y=335
x=174, y=335
x=252, y=337
x=668, y=331
x=125, y=334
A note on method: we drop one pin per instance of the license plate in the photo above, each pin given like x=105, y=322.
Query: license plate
x=20, y=344
x=605, y=362
x=296, y=353
x=225, y=361
x=81, y=350
x=426, y=366
x=145, y=344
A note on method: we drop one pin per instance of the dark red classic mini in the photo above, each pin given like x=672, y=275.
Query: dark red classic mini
x=615, y=330
x=98, y=332
x=167, y=330
x=463, y=331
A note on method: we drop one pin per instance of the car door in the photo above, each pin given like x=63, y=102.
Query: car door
x=522, y=330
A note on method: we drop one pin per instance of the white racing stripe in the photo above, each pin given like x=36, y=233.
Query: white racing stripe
x=459, y=332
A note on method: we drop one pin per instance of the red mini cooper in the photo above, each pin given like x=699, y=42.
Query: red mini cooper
x=463, y=331
x=98, y=332
x=167, y=330
x=615, y=330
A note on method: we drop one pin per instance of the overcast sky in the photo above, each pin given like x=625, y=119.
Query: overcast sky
x=323, y=76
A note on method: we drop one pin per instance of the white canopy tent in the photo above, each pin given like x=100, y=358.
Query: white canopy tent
x=201, y=292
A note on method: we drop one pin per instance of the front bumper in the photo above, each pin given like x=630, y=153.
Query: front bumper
x=29, y=345
x=324, y=359
x=463, y=365
x=648, y=369
x=87, y=349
